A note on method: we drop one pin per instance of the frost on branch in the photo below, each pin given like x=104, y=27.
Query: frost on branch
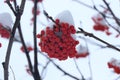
x=115, y=64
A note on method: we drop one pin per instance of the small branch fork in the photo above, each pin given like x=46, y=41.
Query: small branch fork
x=18, y=11
x=59, y=68
x=116, y=19
x=8, y=53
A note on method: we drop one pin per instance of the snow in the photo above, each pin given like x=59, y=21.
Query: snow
x=98, y=56
x=6, y=20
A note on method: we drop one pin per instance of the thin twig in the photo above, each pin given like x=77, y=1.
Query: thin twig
x=12, y=72
x=15, y=4
x=25, y=48
x=89, y=60
x=78, y=69
x=8, y=53
x=83, y=4
x=45, y=67
x=11, y=7
x=59, y=68
x=50, y=17
x=91, y=35
x=115, y=18
x=7, y=58
x=22, y=6
x=103, y=15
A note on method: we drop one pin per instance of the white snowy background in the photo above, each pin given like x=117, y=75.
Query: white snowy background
x=98, y=57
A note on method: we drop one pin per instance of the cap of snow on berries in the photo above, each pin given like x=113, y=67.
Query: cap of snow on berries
x=6, y=20
x=57, y=38
x=115, y=64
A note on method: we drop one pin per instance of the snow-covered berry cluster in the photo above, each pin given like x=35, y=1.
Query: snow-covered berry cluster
x=58, y=42
x=115, y=64
x=100, y=24
x=4, y=32
x=29, y=48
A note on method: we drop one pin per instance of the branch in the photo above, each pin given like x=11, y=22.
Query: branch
x=22, y=6
x=104, y=16
x=115, y=18
x=11, y=7
x=78, y=69
x=12, y=72
x=7, y=58
x=25, y=48
x=45, y=67
x=36, y=72
x=15, y=4
x=91, y=35
x=8, y=53
x=59, y=68
x=84, y=4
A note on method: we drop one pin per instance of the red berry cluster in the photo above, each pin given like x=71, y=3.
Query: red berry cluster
x=4, y=32
x=115, y=65
x=57, y=41
x=29, y=48
x=37, y=12
x=99, y=27
x=82, y=55
x=100, y=24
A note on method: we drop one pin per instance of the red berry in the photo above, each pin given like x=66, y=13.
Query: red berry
x=29, y=48
x=58, y=42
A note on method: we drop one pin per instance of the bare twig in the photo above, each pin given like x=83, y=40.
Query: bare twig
x=12, y=72
x=91, y=35
x=36, y=72
x=78, y=69
x=11, y=7
x=25, y=48
x=8, y=53
x=59, y=68
x=83, y=4
x=115, y=18
x=10, y=47
x=15, y=4
x=45, y=67
x=104, y=16
x=89, y=60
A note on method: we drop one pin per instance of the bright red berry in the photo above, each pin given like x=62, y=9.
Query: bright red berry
x=57, y=41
